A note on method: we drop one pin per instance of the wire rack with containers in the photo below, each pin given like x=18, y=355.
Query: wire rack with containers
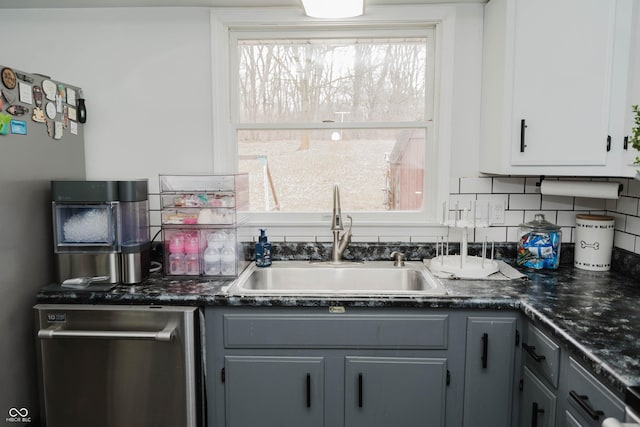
x=200, y=216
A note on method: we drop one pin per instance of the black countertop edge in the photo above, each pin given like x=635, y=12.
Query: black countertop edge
x=632, y=398
x=579, y=352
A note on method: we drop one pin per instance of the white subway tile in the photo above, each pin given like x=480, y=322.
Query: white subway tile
x=637, y=248
x=513, y=218
x=524, y=201
x=610, y=204
x=566, y=234
x=633, y=225
x=633, y=188
x=567, y=218
x=557, y=203
x=364, y=239
x=154, y=201
x=624, y=241
x=155, y=218
x=589, y=204
x=462, y=201
x=513, y=234
x=508, y=185
x=621, y=220
x=494, y=198
x=394, y=239
x=298, y=238
x=627, y=205
x=475, y=185
x=425, y=239
x=493, y=234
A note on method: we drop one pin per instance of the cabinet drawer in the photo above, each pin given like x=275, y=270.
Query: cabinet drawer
x=589, y=398
x=336, y=331
x=542, y=355
x=538, y=402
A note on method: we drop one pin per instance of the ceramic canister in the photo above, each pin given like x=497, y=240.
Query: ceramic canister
x=594, y=242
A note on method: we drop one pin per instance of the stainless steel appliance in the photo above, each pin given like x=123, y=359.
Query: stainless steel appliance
x=101, y=230
x=119, y=366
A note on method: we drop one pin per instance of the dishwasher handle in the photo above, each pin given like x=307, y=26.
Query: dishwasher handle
x=56, y=332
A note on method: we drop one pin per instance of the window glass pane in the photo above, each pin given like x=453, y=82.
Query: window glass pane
x=295, y=170
x=324, y=80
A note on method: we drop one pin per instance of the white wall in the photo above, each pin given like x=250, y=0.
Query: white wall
x=146, y=75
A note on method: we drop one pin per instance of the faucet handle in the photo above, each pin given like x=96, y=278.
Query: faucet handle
x=398, y=259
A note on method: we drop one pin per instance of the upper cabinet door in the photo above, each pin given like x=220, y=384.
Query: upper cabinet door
x=561, y=78
x=547, y=87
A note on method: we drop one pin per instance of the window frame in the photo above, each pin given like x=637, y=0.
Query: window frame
x=224, y=21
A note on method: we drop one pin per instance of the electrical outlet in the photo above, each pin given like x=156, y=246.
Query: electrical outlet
x=496, y=214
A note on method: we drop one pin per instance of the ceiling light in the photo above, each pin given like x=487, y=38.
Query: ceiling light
x=333, y=8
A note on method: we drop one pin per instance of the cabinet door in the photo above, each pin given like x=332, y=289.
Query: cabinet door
x=274, y=391
x=386, y=391
x=589, y=398
x=489, y=370
x=562, y=66
x=538, y=403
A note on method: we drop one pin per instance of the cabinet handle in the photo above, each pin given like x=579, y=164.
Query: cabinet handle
x=582, y=401
x=485, y=350
x=308, y=390
x=359, y=390
x=608, y=143
x=534, y=414
x=625, y=142
x=523, y=127
x=532, y=352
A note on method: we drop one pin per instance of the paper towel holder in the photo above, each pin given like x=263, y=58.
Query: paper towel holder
x=580, y=188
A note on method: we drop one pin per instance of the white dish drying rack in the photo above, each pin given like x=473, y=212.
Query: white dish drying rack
x=475, y=216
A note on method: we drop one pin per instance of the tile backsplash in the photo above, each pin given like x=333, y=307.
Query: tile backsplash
x=522, y=200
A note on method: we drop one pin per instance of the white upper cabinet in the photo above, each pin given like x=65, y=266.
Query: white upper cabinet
x=549, y=87
x=632, y=96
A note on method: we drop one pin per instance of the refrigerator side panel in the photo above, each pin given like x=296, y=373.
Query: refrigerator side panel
x=27, y=165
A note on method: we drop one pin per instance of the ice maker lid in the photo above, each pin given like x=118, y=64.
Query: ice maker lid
x=134, y=190
x=84, y=191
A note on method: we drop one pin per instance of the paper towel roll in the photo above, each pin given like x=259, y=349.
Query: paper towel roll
x=593, y=189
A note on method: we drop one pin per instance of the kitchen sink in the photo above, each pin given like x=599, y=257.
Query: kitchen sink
x=345, y=278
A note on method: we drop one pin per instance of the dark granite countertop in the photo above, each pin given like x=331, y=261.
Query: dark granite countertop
x=596, y=314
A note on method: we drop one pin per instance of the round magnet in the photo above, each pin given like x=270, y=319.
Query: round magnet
x=49, y=89
x=51, y=110
x=8, y=78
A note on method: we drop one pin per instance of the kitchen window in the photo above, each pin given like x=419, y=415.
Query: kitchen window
x=354, y=102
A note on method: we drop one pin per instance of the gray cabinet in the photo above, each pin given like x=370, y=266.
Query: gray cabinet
x=388, y=391
x=260, y=389
x=489, y=371
x=559, y=392
x=353, y=366
x=538, y=402
x=588, y=400
x=275, y=366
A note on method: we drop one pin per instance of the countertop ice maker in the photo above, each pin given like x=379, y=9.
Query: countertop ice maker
x=101, y=231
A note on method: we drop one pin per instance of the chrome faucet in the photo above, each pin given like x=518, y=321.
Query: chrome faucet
x=339, y=243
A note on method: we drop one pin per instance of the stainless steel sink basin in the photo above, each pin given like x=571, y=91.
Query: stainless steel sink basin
x=305, y=278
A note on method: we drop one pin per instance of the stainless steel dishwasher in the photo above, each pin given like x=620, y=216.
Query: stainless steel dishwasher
x=118, y=366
